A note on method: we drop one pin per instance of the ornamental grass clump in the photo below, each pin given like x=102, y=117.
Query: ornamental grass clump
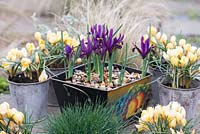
x=183, y=63
x=13, y=121
x=86, y=119
x=169, y=119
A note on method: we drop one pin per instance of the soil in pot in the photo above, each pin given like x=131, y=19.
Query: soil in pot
x=21, y=78
x=80, y=78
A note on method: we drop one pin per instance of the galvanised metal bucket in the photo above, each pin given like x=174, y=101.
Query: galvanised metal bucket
x=188, y=98
x=30, y=98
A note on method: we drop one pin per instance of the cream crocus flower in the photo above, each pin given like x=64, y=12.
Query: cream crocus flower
x=37, y=36
x=25, y=62
x=172, y=123
x=172, y=131
x=41, y=43
x=198, y=53
x=153, y=41
x=179, y=51
x=152, y=29
x=166, y=56
x=164, y=38
x=158, y=36
x=170, y=46
x=53, y=38
x=193, y=131
x=174, y=61
x=5, y=65
x=18, y=118
x=30, y=48
x=14, y=54
x=173, y=39
x=187, y=47
x=10, y=113
x=43, y=76
x=192, y=57
x=174, y=105
x=4, y=107
x=65, y=35
x=2, y=132
x=193, y=49
x=184, y=61
x=37, y=58
x=182, y=42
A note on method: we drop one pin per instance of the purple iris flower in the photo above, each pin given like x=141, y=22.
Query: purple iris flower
x=145, y=47
x=86, y=48
x=99, y=34
x=113, y=42
x=68, y=51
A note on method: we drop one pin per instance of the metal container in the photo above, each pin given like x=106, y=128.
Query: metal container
x=188, y=98
x=30, y=98
x=52, y=99
x=125, y=97
x=156, y=74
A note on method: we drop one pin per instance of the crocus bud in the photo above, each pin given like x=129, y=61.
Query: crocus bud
x=173, y=39
x=187, y=47
x=2, y=132
x=184, y=61
x=182, y=42
x=4, y=107
x=170, y=46
x=172, y=124
x=158, y=36
x=174, y=61
x=18, y=118
x=43, y=76
x=79, y=61
x=37, y=36
x=10, y=113
x=37, y=58
x=164, y=38
x=192, y=57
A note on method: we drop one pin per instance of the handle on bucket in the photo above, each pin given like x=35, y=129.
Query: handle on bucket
x=78, y=89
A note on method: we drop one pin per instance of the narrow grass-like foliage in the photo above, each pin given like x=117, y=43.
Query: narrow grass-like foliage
x=87, y=119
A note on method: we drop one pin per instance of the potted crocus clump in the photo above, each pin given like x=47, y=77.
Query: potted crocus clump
x=98, y=77
x=28, y=81
x=168, y=119
x=13, y=121
x=180, y=83
x=51, y=45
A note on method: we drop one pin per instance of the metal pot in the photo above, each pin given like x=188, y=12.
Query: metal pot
x=52, y=99
x=30, y=98
x=188, y=98
x=156, y=74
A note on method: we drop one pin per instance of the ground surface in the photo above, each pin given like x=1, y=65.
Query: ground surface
x=185, y=19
